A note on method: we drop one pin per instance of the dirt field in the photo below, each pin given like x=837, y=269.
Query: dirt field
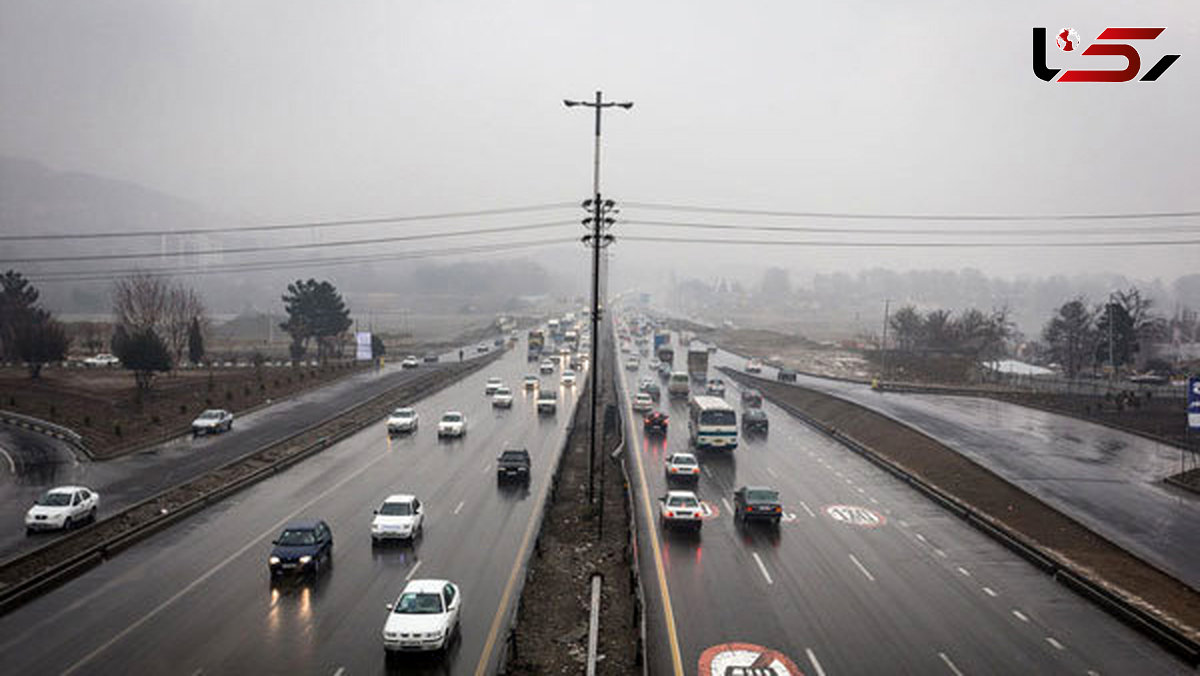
x=552, y=623
x=1003, y=503
x=103, y=405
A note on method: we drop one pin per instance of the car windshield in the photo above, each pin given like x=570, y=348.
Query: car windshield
x=718, y=418
x=569, y=373
x=55, y=500
x=419, y=603
x=293, y=537
x=513, y=455
x=684, y=460
x=452, y=417
x=682, y=501
x=210, y=415
x=402, y=413
x=548, y=394
x=396, y=509
x=503, y=391
x=762, y=495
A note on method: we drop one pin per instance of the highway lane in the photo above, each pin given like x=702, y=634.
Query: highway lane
x=197, y=597
x=916, y=592
x=42, y=463
x=1107, y=479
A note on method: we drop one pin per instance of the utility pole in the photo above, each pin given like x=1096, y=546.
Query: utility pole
x=1112, y=378
x=597, y=240
x=883, y=343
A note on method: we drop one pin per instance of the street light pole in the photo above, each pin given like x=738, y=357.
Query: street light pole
x=597, y=240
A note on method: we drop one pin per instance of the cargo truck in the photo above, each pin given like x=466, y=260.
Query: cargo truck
x=697, y=362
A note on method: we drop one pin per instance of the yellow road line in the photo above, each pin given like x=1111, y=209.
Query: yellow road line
x=668, y=613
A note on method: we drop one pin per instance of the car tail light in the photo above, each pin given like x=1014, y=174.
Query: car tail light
x=778, y=508
x=670, y=515
x=749, y=508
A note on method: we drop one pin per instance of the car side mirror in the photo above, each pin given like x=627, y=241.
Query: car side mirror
x=274, y=542
x=374, y=511
x=388, y=606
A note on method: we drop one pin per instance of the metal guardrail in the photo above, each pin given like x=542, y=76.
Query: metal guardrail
x=33, y=585
x=1161, y=632
x=47, y=428
x=594, y=623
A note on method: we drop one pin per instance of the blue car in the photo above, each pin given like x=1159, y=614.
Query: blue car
x=303, y=548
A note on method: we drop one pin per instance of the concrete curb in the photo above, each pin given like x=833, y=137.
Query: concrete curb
x=45, y=428
x=1094, y=590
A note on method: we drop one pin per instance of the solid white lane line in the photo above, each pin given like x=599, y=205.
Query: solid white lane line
x=459, y=507
x=728, y=507
x=706, y=472
x=950, y=665
x=810, y=512
x=1019, y=615
x=862, y=568
x=1051, y=640
x=219, y=567
x=812, y=659
x=413, y=571
x=990, y=592
x=762, y=568
x=12, y=466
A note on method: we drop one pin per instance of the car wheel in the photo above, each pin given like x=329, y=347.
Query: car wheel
x=92, y=515
x=28, y=532
x=67, y=523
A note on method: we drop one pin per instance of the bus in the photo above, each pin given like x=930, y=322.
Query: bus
x=712, y=423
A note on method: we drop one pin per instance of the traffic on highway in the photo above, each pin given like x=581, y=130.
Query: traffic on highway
x=809, y=559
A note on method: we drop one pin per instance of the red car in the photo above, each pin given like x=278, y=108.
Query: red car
x=655, y=422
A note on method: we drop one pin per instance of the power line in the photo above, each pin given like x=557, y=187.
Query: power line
x=908, y=245
x=926, y=231
x=261, y=266
x=290, y=226
x=288, y=247
x=911, y=217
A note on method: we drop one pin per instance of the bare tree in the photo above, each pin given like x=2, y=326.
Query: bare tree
x=183, y=308
x=140, y=302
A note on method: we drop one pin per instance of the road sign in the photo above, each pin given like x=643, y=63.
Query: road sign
x=1194, y=402
x=745, y=659
x=363, y=343
x=855, y=515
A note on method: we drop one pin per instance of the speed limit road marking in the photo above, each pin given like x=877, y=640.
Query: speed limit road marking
x=855, y=515
x=745, y=659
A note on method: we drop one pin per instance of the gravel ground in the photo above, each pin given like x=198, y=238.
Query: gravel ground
x=552, y=622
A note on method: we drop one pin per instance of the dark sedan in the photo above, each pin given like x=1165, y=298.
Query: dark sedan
x=304, y=547
x=757, y=502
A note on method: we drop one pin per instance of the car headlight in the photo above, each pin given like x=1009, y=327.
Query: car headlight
x=391, y=635
x=434, y=634
x=305, y=559
x=274, y=560
x=376, y=527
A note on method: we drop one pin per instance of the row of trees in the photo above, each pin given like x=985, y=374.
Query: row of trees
x=1080, y=336
x=972, y=332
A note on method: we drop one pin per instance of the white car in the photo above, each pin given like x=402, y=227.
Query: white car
x=403, y=420
x=103, y=359
x=62, y=508
x=482, y=348
x=642, y=402
x=715, y=387
x=211, y=421
x=410, y=362
x=502, y=397
x=754, y=366
x=400, y=516
x=532, y=382
x=452, y=424
x=680, y=508
x=547, y=366
x=568, y=378
x=424, y=616
x=632, y=363
x=682, y=466
x=654, y=365
x=492, y=385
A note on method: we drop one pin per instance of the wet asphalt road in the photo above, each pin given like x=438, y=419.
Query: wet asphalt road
x=40, y=462
x=1107, y=479
x=896, y=585
x=197, y=598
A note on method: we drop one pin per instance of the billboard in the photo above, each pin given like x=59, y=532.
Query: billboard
x=363, y=340
x=1194, y=403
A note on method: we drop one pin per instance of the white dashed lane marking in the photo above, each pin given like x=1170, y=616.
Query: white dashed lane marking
x=1051, y=640
x=812, y=658
x=762, y=568
x=950, y=665
x=810, y=512
x=1020, y=615
x=458, y=508
x=990, y=592
x=862, y=568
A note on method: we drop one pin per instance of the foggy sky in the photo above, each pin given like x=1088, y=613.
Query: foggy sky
x=294, y=110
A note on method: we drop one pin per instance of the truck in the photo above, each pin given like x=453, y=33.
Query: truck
x=537, y=340
x=697, y=362
x=513, y=463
